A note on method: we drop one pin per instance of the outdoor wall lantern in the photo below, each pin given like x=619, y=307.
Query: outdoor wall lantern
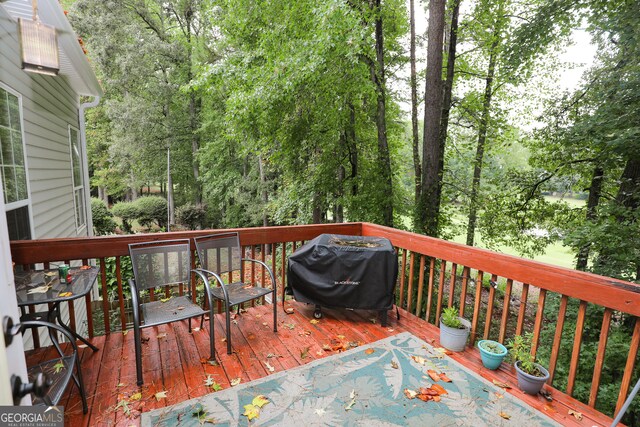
x=38, y=45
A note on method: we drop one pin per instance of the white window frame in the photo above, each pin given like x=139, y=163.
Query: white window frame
x=24, y=202
x=77, y=188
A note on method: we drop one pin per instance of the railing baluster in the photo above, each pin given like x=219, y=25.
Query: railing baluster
x=34, y=331
x=628, y=368
x=506, y=305
x=523, y=308
x=463, y=291
x=105, y=295
x=537, y=327
x=274, y=252
x=263, y=249
x=452, y=284
x=402, y=277
x=577, y=342
x=557, y=338
x=420, y=286
x=602, y=347
x=410, y=286
x=283, y=275
x=492, y=295
x=432, y=272
x=253, y=272
x=443, y=269
x=123, y=322
x=476, y=309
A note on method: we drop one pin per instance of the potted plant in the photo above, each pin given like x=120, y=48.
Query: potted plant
x=531, y=375
x=454, y=330
x=492, y=353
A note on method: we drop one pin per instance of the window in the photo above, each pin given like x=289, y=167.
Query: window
x=13, y=168
x=77, y=177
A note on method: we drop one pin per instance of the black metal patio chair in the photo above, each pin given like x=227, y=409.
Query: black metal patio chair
x=158, y=265
x=49, y=379
x=220, y=254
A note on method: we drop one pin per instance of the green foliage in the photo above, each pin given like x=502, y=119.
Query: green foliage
x=151, y=209
x=103, y=222
x=127, y=212
x=520, y=352
x=191, y=216
x=451, y=319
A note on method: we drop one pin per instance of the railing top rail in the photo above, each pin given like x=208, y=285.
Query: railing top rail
x=601, y=290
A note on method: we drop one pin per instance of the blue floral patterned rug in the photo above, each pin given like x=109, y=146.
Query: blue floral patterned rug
x=370, y=385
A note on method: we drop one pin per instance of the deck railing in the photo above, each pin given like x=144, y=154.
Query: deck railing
x=519, y=295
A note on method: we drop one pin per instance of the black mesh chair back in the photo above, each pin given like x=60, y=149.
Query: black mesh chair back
x=220, y=254
x=159, y=264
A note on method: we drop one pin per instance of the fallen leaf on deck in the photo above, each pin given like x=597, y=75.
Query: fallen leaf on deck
x=236, y=381
x=304, y=333
x=58, y=367
x=121, y=385
x=39, y=290
x=65, y=294
x=209, y=382
x=124, y=404
x=501, y=384
x=271, y=355
x=504, y=415
x=50, y=274
x=304, y=353
x=196, y=329
x=136, y=396
x=434, y=375
x=288, y=310
x=269, y=367
x=411, y=394
x=289, y=325
x=251, y=412
x=444, y=377
x=82, y=346
x=373, y=320
x=260, y=401
x=576, y=414
x=439, y=389
x=85, y=267
x=341, y=337
x=314, y=321
x=319, y=353
x=161, y=395
x=165, y=299
x=499, y=395
x=180, y=308
x=327, y=347
x=265, y=324
x=162, y=335
x=352, y=402
x=369, y=351
x=125, y=332
x=394, y=364
x=223, y=340
x=390, y=330
x=420, y=360
x=258, y=316
x=251, y=336
x=550, y=408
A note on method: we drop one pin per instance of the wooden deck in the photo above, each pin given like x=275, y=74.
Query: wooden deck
x=175, y=361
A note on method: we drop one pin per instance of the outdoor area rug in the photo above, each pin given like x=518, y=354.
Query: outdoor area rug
x=364, y=386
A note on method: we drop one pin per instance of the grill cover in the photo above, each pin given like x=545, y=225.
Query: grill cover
x=340, y=271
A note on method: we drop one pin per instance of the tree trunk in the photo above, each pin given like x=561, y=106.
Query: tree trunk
x=630, y=185
x=378, y=77
x=482, y=138
x=194, y=107
x=428, y=203
x=352, y=145
x=414, y=103
x=170, y=205
x=265, y=195
x=595, y=191
x=448, y=90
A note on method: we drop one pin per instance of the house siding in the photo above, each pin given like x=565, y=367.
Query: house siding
x=49, y=107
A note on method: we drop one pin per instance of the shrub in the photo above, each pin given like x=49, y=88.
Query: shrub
x=103, y=222
x=127, y=211
x=191, y=216
x=150, y=209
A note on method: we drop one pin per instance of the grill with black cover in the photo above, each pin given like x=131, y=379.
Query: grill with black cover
x=338, y=271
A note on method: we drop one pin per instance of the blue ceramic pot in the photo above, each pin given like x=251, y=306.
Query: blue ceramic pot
x=492, y=360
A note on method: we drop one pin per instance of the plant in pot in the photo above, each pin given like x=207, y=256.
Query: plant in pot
x=531, y=375
x=454, y=330
x=492, y=353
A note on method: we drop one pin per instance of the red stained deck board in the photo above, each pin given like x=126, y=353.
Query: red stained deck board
x=176, y=359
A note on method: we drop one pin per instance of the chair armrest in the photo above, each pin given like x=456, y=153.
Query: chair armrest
x=135, y=303
x=41, y=323
x=204, y=275
x=273, y=279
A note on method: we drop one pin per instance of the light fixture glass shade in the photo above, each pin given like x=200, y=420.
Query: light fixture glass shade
x=39, y=46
